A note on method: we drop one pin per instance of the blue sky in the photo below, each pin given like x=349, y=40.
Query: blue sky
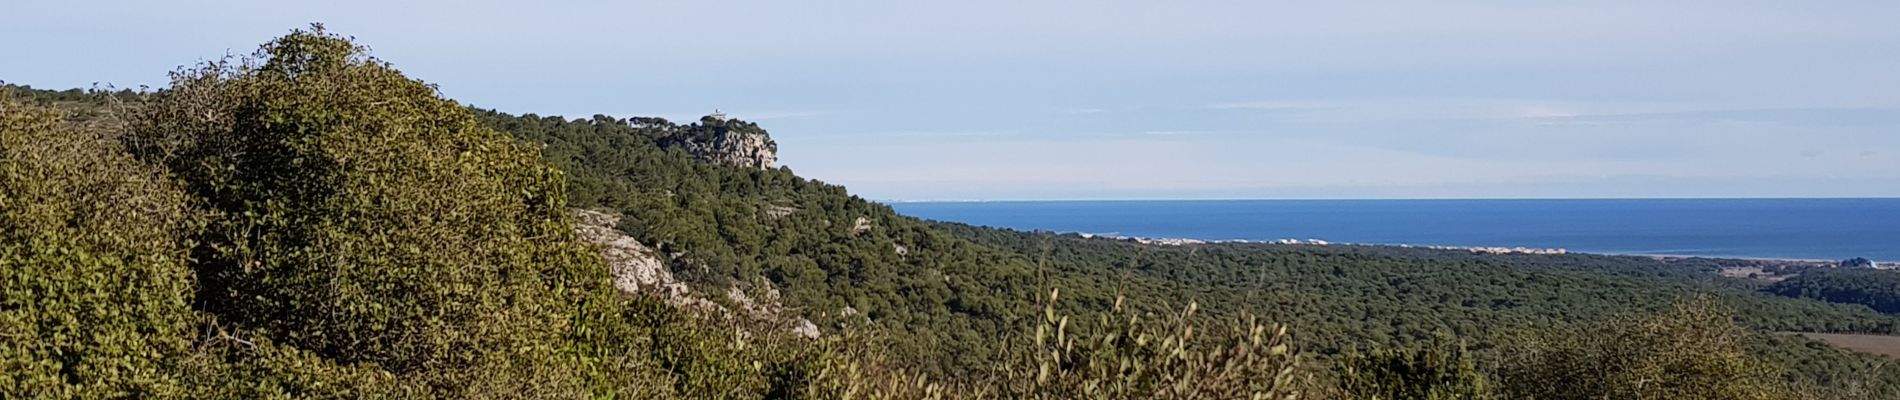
x=1110, y=99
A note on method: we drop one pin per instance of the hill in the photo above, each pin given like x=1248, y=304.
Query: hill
x=1344, y=299
x=308, y=222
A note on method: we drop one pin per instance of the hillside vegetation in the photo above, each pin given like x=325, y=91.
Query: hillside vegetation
x=1876, y=289
x=308, y=222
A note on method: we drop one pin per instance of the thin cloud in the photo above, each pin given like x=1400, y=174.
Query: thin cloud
x=1829, y=116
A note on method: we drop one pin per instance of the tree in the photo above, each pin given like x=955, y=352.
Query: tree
x=1693, y=351
x=1434, y=373
x=362, y=217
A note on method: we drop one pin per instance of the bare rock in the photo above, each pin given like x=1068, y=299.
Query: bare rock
x=637, y=270
x=721, y=140
x=634, y=266
x=806, y=328
x=778, y=211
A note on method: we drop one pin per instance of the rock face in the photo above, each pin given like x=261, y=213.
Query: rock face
x=636, y=269
x=725, y=141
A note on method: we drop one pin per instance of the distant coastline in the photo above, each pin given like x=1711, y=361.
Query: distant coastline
x=1319, y=242
x=1808, y=230
x=1171, y=241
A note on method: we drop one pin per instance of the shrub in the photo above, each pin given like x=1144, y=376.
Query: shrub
x=363, y=218
x=1693, y=351
x=1126, y=355
x=94, y=287
x=1437, y=373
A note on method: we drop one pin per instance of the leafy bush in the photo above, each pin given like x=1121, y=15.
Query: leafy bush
x=1124, y=355
x=361, y=217
x=1436, y=373
x=1693, y=351
x=1127, y=356
x=94, y=287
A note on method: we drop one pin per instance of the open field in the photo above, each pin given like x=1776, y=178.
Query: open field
x=1884, y=345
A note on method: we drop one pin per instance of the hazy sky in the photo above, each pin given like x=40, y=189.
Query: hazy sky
x=1135, y=99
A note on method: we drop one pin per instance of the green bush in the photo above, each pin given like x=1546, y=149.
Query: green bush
x=1123, y=355
x=363, y=218
x=229, y=366
x=1128, y=355
x=94, y=287
x=1693, y=351
x=94, y=259
x=1437, y=373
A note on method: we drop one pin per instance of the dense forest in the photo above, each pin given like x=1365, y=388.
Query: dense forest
x=1876, y=289
x=308, y=222
x=946, y=296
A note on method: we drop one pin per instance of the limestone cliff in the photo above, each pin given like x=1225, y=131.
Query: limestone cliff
x=727, y=141
x=638, y=270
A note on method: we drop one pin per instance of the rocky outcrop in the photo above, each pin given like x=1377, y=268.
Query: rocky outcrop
x=768, y=306
x=806, y=328
x=778, y=211
x=637, y=269
x=726, y=141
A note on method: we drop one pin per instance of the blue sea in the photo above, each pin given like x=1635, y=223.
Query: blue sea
x=1825, y=229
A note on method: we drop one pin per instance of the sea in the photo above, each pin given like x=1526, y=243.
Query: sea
x=1807, y=229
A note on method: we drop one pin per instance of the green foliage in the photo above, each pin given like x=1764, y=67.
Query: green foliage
x=100, y=104
x=1820, y=371
x=1347, y=297
x=227, y=366
x=1124, y=355
x=713, y=357
x=314, y=224
x=1130, y=355
x=92, y=265
x=1437, y=373
x=363, y=218
x=1694, y=351
x=735, y=226
x=955, y=292
x=1877, y=289
x=710, y=129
